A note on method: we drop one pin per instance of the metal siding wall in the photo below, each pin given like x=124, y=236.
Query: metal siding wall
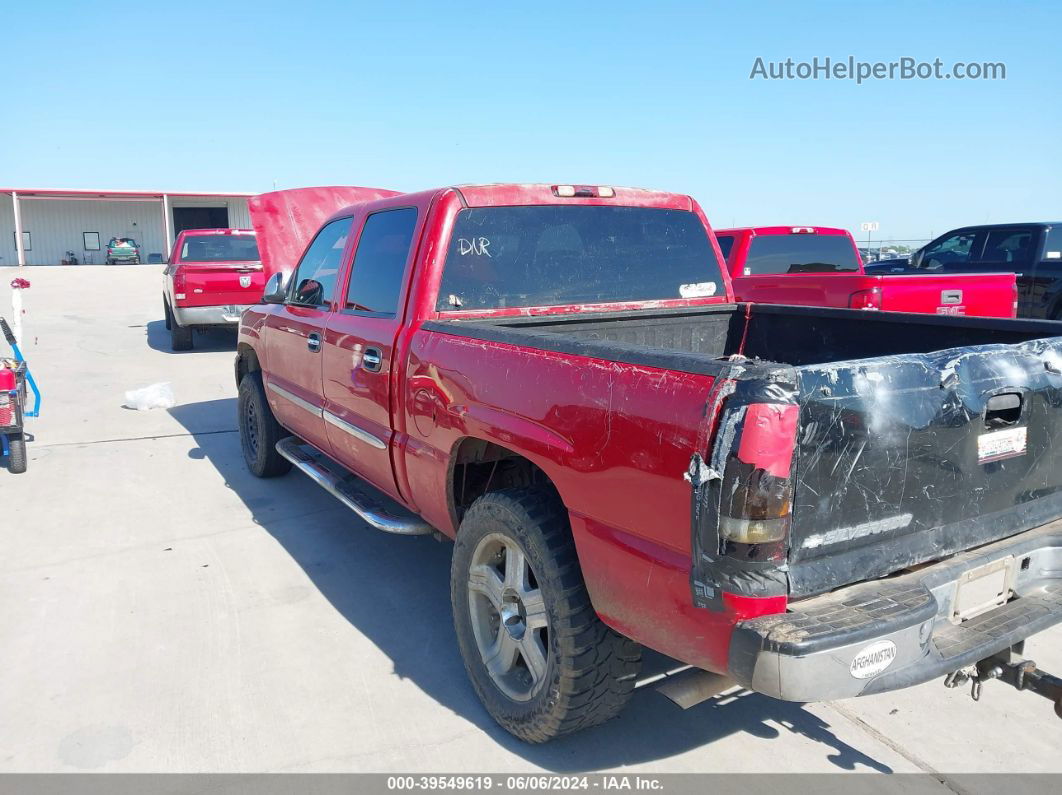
x=55, y=225
x=8, y=255
x=239, y=215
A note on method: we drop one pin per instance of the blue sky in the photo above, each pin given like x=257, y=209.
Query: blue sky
x=239, y=96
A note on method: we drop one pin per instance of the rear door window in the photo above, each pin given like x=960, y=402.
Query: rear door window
x=800, y=253
x=1012, y=248
x=380, y=262
x=315, y=277
x=726, y=245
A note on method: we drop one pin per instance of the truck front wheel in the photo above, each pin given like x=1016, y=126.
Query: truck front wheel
x=259, y=430
x=539, y=658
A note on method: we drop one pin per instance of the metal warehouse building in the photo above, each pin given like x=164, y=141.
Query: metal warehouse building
x=39, y=227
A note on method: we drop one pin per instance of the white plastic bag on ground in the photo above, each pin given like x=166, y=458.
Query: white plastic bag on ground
x=156, y=396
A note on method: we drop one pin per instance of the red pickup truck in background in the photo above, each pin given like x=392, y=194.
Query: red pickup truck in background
x=817, y=503
x=212, y=275
x=820, y=266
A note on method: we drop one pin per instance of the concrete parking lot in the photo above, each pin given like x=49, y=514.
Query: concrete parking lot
x=165, y=611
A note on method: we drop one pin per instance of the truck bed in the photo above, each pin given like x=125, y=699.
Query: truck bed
x=919, y=436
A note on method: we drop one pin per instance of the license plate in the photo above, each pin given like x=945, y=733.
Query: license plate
x=982, y=589
x=997, y=445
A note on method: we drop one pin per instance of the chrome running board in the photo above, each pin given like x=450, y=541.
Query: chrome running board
x=366, y=501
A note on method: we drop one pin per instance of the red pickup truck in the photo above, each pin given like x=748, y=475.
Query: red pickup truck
x=818, y=503
x=820, y=266
x=212, y=275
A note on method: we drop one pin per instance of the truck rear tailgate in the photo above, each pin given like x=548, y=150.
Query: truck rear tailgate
x=910, y=458
x=221, y=283
x=984, y=295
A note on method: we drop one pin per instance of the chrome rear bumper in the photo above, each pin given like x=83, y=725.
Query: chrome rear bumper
x=896, y=632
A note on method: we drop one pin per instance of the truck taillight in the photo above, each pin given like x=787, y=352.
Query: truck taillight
x=1014, y=293
x=178, y=285
x=757, y=484
x=865, y=299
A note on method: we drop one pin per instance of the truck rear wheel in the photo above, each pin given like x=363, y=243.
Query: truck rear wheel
x=180, y=336
x=17, y=461
x=166, y=314
x=259, y=430
x=539, y=658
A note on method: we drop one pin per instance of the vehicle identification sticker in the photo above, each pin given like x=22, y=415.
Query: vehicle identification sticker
x=697, y=289
x=998, y=445
x=873, y=659
x=1054, y=255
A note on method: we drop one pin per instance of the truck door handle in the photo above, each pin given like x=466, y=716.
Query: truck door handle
x=372, y=360
x=313, y=342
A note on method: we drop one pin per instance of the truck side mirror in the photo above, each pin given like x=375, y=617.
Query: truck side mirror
x=276, y=288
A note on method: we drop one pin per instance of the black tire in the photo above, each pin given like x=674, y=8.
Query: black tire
x=590, y=670
x=108, y=261
x=17, y=460
x=259, y=430
x=180, y=336
x=166, y=314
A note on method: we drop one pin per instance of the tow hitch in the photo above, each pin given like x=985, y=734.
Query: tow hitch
x=1021, y=674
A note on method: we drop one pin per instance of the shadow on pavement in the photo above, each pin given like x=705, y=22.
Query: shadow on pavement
x=381, y=583
x=204, y=341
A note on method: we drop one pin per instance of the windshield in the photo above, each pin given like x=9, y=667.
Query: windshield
x=800, y=253
x=540, y=256
x=219, y=248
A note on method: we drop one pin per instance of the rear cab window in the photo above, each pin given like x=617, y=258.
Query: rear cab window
x=219, y=248
x=800, y=253
x=526, y=256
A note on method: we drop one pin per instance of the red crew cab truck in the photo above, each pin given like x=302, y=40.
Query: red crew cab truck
x=818, y=503
x=821, y=266
x=211, y=277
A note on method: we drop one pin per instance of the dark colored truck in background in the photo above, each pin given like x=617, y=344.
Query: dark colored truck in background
x=821, y=266
x=818, y=503
x=1032, y=250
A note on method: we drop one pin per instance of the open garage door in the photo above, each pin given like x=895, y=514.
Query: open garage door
x=199, y=218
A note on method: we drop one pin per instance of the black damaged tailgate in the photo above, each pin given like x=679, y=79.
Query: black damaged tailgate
x=909, y=458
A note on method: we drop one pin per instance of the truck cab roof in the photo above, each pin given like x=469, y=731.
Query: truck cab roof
x=287, y=220
x=201, y=232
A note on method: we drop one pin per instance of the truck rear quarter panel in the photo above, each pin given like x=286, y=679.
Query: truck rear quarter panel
x=616, y=441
